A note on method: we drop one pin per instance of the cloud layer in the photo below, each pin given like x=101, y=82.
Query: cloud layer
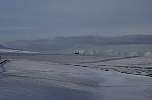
x=31, y=19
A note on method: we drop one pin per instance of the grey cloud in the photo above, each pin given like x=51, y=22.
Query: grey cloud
x=11, y=28
x=49, y=18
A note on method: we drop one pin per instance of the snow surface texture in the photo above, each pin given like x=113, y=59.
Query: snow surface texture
x=48, y=78
x=15, y=51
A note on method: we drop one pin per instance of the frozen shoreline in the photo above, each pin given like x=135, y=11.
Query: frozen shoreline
x=60, y=80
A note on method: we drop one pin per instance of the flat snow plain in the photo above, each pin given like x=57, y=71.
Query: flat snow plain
x=63, y=77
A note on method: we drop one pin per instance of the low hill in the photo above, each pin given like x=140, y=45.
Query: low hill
x=62, y=43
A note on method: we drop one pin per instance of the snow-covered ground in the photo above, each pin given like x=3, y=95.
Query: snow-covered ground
x=15, y=51
x=73, y=78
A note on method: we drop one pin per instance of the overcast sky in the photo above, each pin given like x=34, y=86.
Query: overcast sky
x=33, y=19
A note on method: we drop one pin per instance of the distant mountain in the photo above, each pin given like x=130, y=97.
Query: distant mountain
x=2, y=47
x=62, y=43
x=132, y=39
